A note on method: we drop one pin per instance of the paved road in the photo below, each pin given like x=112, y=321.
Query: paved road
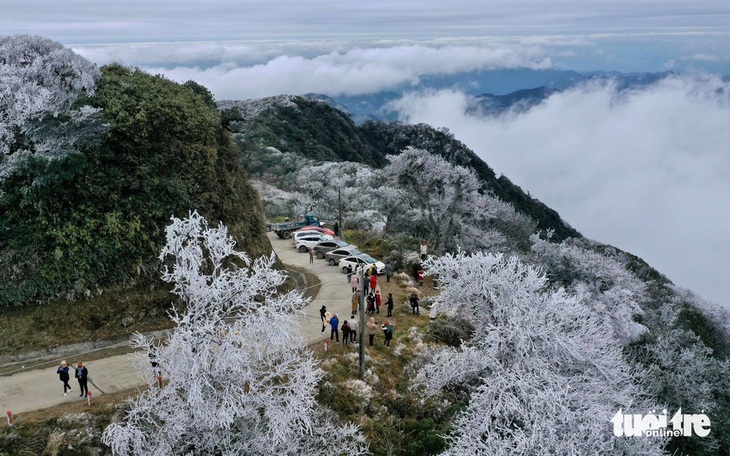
x=41, y=388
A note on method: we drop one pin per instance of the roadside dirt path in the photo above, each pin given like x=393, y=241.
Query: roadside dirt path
x=40, y=388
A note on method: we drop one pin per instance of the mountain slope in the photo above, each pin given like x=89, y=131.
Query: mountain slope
x=316, y=130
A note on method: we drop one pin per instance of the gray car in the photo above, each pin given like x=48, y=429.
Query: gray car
x=334, y=257
x=323, y=247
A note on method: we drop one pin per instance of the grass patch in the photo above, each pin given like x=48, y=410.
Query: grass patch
x=115, y=313
x=73, y=429
x=394, y=419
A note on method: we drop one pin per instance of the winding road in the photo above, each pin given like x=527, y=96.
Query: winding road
x=40, y=388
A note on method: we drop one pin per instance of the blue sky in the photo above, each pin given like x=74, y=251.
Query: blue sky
x=645, y=172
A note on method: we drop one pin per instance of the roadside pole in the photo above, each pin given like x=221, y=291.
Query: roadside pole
x=361, y=309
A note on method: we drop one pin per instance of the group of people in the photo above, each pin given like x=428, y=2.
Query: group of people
x=349, y=328
x=81, y=374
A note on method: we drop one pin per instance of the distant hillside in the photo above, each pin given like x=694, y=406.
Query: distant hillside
x=302, y=125
x=316, y=130
x=494, y=91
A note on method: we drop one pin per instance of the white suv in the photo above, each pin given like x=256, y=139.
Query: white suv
x=299, y=234
x=304, y=243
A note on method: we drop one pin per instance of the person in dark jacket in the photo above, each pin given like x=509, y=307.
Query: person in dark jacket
x=345, y=333
x=389, y=303
x=322, y=314
x=388, y=331
x=335, y=325
x=63, y=375
x=82, y=375
x=388, y=271
x=414, y=304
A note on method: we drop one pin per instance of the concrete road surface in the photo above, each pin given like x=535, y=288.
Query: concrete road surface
x=40, y=388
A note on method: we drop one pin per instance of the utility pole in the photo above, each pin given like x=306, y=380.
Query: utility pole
x=361, y=309
x=339, y=213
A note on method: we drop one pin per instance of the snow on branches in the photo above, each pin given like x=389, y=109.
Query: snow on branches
x=449, y=203
x=545, y=376
x=239, y=380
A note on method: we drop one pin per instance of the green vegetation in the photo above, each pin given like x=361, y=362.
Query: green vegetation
x=311, y=128
x=96, y=218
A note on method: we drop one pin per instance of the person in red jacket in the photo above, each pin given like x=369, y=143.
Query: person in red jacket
x=378, y=301
x=421, y=276
x=373, y=281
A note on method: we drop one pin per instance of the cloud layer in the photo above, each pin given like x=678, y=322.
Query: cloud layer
x=356, y=71
x=647, y=171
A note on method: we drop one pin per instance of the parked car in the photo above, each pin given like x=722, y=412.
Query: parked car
x=327, y=246
x=299, y=234
x=322, y=230
x=304, y=243
x=334, y=257
x=354, y=263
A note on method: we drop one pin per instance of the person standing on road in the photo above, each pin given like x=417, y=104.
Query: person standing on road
x=354, y=282
x=322, y=315
x=63, y=375
x=366, y=285
x=389, y=304
x=82, y=375
x=421, y=276
x=355, y=303
x=335, y=325
x=388, y=271
x=378, y=301
x=311, y=256
x=371, y=328
x=373, y=281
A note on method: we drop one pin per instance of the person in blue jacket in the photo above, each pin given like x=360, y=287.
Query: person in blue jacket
x=63, y=375
x=335, y=325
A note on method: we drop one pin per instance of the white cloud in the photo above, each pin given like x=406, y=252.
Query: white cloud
x=361, y=70
x=647, y=171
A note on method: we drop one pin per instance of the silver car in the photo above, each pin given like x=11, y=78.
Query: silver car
x=334, y=257
x=323, y=247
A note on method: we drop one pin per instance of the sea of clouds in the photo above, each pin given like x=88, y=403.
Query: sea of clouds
x=646, y=170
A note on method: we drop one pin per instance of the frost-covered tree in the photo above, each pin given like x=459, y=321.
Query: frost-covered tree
x=446, y=203
x=238, y=383
x=614, y=294
x=544, y=376
x=683, y=372
x=40, y=83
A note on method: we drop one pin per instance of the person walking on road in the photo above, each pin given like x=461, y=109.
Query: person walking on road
x=311, y=256
x=389, y=304
x=371, y=328
x=82, y=375
x=373, y=281
x=335, y=325
x=63, y=375
x=388, y=271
